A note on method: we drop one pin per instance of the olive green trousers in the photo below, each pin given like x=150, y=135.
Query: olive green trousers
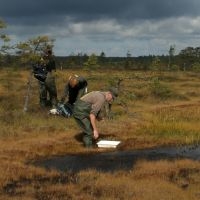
x=81, y=114
x=48, y=91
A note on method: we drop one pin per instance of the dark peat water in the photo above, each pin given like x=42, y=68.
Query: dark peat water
x=117, y=160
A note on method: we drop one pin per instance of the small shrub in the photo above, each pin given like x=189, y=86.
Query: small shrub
x=196, y=67
x=159, y=90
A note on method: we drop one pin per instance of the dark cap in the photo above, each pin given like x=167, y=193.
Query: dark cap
x=114, y=92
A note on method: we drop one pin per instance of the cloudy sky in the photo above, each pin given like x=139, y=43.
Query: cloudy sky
x=140, y=27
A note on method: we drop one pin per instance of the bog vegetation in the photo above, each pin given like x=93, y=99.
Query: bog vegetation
x=153, y=109
x=158, y=105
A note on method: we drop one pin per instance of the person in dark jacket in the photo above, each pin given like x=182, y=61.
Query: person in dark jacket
x=47, y=88
x=75, y=88
x=86, y=111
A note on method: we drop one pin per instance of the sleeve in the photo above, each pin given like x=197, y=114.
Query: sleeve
x=82, y=87
x=51, y=65
x=65, y=94
x=96, y=107
x=81, y=92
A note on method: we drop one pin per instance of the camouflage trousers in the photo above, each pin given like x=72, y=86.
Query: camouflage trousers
x=48, y=91
x=81, y=114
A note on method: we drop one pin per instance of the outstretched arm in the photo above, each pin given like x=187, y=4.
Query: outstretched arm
x=93, y=122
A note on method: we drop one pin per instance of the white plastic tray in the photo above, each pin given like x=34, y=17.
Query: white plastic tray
x=107, y=144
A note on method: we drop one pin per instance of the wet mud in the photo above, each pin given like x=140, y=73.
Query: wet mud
x=117, y=160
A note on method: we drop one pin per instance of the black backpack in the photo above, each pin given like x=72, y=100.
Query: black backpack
x=40, y=72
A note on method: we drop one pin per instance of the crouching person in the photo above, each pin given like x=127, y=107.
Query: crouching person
x=75, y=88
x=86, y=111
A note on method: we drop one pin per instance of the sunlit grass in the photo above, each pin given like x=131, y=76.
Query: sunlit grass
x=175, y=123
x=140, y=120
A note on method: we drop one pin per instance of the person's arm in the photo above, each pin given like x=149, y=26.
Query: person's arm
x=82, y=84
x=64, y=98
x=108, y=107
x=93, y=122
x=81, y=92
x=50, y=64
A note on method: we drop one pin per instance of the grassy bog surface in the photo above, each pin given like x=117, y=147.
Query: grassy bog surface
x=152, y=110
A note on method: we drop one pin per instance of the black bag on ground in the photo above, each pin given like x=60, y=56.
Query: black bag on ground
x=65, y=110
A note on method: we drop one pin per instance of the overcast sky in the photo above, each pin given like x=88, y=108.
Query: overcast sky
x=115, y=27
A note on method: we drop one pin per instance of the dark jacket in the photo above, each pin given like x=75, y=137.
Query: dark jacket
x=76, y=92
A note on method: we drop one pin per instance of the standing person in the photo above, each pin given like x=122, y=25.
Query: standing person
x=47, y=88
x=86, y=112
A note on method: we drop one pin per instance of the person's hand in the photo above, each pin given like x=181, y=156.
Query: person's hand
x=96, y=134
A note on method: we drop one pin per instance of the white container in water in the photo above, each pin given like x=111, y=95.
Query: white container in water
x=107, y=144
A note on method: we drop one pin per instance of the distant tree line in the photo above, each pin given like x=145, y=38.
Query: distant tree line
x=188, y=59
x=30, y=51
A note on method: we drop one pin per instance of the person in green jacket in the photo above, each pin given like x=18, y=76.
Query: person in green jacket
x=86, y=111
x=47, y=88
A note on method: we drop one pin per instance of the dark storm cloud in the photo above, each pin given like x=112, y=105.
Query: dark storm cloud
x=114, y=25
x=86, y=10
